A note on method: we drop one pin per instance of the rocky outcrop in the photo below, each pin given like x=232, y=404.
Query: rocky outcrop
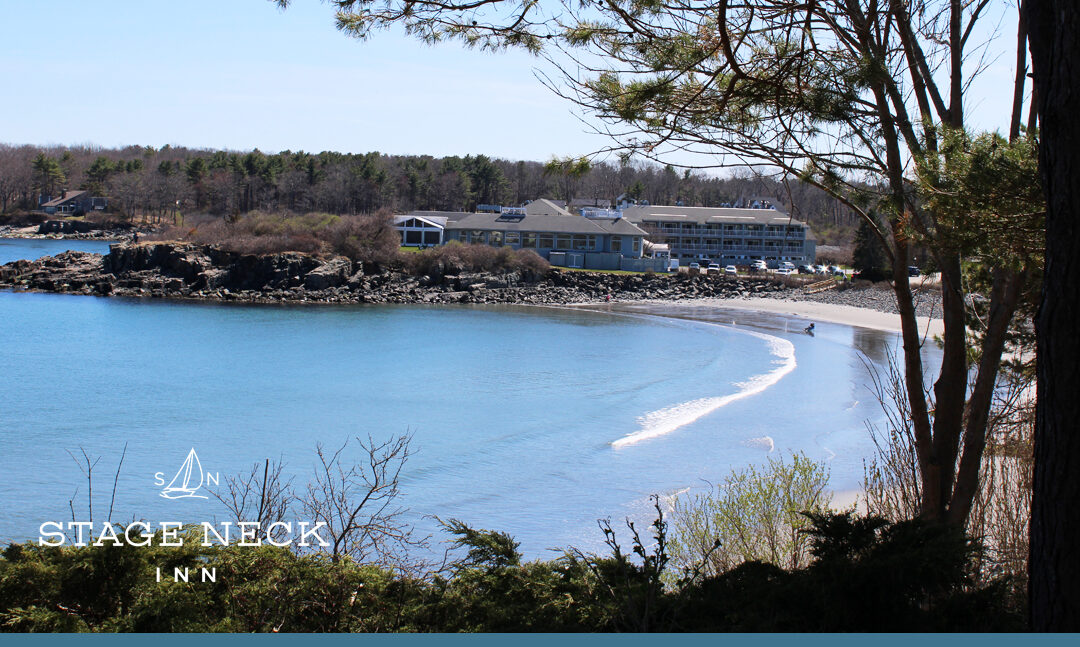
x=182, y=270
x=331, y=274
x=69, y=229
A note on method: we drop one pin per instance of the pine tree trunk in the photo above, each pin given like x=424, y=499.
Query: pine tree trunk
x=1054, y=29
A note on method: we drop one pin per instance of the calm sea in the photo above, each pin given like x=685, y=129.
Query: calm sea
x=534, y=421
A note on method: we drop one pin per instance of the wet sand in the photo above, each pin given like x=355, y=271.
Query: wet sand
x=804, y=312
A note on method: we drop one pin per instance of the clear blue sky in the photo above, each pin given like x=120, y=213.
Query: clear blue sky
x=241, y=74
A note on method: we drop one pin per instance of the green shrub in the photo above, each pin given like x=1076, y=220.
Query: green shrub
x=756, y=514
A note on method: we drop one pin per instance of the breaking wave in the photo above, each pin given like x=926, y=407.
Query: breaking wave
x=664, y=421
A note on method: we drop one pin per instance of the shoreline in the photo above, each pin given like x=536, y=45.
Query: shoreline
x=802, y=310
x=827, y=312
x=205, y=273
x=31, y=233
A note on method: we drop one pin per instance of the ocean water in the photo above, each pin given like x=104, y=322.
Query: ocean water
x=534, y=421
x=15, y=249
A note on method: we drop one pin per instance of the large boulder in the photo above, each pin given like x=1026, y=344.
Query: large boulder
x=212, y=279
x=331, y=274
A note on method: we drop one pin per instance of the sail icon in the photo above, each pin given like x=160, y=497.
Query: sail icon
x=187, y=480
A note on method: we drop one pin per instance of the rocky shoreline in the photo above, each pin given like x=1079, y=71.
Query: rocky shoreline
x=206, y=272
x=170, y=270
x=35, y=232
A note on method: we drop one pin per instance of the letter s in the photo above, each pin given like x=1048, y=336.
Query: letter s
x=58, y=533
x=159, y=478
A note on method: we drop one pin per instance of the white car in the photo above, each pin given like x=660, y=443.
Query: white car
x=730, y=270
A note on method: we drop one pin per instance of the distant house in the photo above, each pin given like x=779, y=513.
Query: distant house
x=74, y=203
x=420, y=231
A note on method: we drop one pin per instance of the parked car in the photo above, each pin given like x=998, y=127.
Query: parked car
x=806, y=269
x=730, y=270
x=836, y=271
x=787, y=265
x=694, y=266
x=820, y=269
x=912, y=270
x=714, y=268
x=758, y=266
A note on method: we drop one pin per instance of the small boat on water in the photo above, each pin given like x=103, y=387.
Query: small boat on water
x=187, y=481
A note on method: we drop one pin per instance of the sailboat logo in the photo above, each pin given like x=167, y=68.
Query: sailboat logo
x=188, y=480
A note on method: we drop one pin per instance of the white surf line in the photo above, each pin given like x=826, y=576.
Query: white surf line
x=664, y=421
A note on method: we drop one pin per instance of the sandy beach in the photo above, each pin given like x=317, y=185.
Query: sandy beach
x=833, y=313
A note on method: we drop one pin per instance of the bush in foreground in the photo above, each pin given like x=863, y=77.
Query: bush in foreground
x=867, y=575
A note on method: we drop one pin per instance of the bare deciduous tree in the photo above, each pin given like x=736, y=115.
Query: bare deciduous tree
x=359, y=502
x=1000, y=510
x=260, y=495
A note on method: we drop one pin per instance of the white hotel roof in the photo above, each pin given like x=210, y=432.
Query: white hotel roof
x=703, y=215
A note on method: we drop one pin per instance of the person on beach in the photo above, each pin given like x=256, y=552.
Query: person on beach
x=810, y=329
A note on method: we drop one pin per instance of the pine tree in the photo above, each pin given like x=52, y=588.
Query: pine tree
x=869, y=258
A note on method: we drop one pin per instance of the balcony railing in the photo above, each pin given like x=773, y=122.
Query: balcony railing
x=733, y=249
x=739, y=233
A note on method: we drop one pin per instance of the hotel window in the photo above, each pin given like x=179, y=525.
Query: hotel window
x=547, y=241
x=495, y=238
x=562, y=241
x=528, y=241
x=616, y=243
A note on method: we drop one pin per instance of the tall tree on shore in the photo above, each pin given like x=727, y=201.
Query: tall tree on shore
x=844, y=95
x=1055, y=522
x=48, y=175
x=97, y=175
x=868, y=257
